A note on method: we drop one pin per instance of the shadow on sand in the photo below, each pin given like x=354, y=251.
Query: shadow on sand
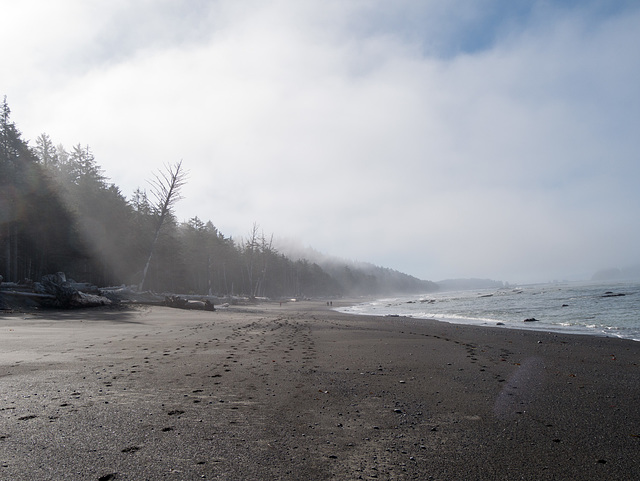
x=120, y=314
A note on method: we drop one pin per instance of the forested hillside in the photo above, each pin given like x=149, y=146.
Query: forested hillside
x=59, y=212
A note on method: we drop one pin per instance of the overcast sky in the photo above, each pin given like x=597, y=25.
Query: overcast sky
x=442, y=138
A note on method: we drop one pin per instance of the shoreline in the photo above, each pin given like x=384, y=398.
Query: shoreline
x=602, y=322
x=301, y=391
x=576, y=330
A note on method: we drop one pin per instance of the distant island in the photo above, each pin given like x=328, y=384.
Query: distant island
x=468, y=284
x=615, y=273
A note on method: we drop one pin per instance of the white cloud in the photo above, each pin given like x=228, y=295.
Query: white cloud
x=324, y=121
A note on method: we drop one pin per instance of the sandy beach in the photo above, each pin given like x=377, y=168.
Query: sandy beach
x=299, y=391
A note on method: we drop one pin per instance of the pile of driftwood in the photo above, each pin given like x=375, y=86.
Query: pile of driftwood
x=53, y=290
x=56, y=291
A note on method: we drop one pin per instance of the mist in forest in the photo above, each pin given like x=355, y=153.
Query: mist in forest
x=442, y=139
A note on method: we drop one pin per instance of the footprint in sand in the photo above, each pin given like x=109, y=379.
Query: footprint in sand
x=108, y=477
x=27, y=417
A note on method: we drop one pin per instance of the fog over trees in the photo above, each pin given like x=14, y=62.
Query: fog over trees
x=59, y=212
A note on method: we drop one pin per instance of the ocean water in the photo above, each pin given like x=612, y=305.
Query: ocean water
x=601, y=309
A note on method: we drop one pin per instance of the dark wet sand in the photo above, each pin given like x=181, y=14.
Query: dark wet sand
x=302, y=392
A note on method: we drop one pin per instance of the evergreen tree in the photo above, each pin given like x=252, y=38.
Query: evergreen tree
x=37, y=233
x=46, y=152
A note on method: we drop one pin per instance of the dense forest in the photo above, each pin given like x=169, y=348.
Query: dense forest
x=59, y=213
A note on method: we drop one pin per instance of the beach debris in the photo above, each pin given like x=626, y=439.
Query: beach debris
x=183, y=303
x=53, y=290
x=67, y=293
x=59, y=291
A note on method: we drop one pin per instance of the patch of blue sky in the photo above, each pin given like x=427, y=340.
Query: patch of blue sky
x=446, y=29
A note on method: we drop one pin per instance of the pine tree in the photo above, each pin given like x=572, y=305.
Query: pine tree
x=9, y=153
x=46, y=152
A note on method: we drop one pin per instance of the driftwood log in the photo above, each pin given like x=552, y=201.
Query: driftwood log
x=56, y=291
x=181, y=303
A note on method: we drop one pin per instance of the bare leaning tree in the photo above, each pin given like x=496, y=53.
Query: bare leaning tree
x=165, y=188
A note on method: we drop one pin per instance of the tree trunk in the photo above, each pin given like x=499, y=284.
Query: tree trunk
x=7, y=253
x=166, y=188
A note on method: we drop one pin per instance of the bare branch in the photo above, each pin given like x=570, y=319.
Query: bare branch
x=165, y=187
